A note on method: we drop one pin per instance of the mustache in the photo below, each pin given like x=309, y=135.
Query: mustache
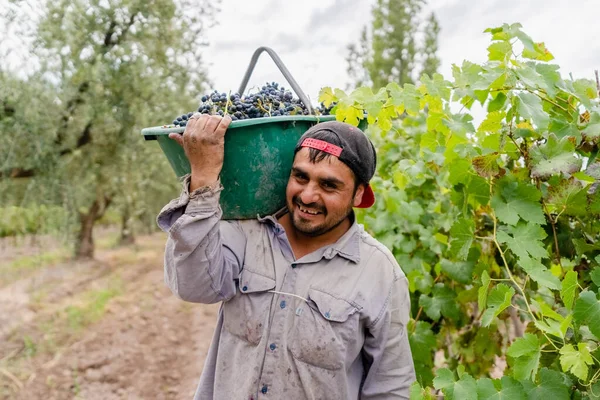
x=313, y=206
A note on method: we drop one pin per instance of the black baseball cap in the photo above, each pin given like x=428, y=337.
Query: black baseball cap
x=350, y=145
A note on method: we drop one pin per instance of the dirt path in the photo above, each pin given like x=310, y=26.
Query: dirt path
x=107, y=329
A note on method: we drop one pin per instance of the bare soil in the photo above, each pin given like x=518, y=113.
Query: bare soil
x=101, y=329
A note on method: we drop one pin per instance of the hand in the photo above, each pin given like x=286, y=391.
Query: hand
x=204, y=142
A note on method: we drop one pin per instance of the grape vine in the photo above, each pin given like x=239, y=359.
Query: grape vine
x=495, y=222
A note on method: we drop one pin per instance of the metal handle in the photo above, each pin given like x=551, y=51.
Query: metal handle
x=284, y=72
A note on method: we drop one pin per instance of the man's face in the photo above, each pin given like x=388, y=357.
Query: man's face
x=320, y=196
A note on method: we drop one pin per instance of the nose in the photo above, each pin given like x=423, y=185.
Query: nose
x=309, y=194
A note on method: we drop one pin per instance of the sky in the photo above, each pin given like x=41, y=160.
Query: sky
x=311, y=36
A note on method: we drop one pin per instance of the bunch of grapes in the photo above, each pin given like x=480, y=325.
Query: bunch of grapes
x=271, y=101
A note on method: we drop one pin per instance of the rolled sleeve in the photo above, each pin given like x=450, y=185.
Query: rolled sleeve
x=203, y=254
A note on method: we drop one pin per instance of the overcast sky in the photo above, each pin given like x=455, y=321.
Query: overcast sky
x=311, y=36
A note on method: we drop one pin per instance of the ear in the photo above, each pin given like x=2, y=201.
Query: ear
x=360, y=190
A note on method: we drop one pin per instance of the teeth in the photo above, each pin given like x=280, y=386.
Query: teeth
x=308, y=211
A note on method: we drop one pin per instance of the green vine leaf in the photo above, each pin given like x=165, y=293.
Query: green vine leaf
x=504, y=389
x=524, y=240
x=498, y=300
x=569, y=197
x=483, y=290
x=587, y=311
x=591, y=133
x=460, y=271
x=552, y=385
x=444, y=381
x=530, y=107
x=518, y=201
x=526, y=353
x=576, y=360
x=569, y=286
x=595, y=276
x=487, y=166
x=441, y=303
x=539, y=273
x=462, y=234
x=554, y=157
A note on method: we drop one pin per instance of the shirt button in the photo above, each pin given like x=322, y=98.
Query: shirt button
x=294, y=266
x=282, y=304
x=272, y=346
x=264, y=389
x=245, y=288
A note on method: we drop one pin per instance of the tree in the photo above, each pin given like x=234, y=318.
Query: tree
x=115, y=67
x=389, y=51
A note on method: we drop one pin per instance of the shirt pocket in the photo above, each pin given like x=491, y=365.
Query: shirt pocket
x=246, y=314
x=324, y=331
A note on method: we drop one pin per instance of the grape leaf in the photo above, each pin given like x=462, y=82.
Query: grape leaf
x=422, y=342
x=444, y=381
x=576, y=360
x=483, y=290
x=595, y=275
x=524, y=240
x=551, y=386
x=326, y=96
x=526, y=353
x=462, y=234
x=530, y=107
x=539, y=273
x=569, y=197
x=460, y=271
x=460, y=171
x=587, y=311
x=591, y=133
x=518, y=200
x=554, y=157
x=509, y=389
x=499, y=51
x=569, y=285
x=487, y=166
x=539, y=52
x=465, y=388
x=492, y=122
x=442, y=303
x=498, y=300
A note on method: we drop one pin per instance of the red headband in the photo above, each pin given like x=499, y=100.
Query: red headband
x=323, y=146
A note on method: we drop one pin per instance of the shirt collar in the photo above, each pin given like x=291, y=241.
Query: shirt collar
x=346, y=246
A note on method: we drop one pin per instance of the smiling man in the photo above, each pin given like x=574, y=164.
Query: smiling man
x=312, y=307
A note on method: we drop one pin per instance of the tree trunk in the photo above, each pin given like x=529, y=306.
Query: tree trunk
x=84, y=247
x=126, y=238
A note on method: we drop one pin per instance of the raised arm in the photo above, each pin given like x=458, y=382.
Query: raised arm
x=203, y=255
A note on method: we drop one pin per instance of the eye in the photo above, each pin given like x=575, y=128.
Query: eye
x=300, y=177
x=329, y=185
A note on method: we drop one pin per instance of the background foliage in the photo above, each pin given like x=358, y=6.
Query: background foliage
x=494, y=222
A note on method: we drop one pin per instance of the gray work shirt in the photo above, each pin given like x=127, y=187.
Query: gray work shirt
x=330, y=325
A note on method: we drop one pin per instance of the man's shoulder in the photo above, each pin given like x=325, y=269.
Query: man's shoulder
x=375, y=254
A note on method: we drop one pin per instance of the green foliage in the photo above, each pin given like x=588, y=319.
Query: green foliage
x=495, y=222
x=106, y=70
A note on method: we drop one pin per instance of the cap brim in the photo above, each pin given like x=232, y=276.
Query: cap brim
x=368, y=198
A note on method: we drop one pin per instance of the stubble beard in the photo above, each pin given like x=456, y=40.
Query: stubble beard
x=316, y=230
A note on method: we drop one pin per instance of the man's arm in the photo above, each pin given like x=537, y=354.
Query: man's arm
x=386, y=351
x=203, y=255
x=199, y=265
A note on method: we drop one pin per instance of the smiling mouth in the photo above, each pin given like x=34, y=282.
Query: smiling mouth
x=308, y=210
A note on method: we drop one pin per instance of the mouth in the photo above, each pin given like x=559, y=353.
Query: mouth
x=307, y=211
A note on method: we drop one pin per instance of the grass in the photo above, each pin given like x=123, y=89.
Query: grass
x=93, y=307
x=25, y=265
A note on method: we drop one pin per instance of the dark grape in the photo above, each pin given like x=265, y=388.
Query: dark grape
x=270, y=101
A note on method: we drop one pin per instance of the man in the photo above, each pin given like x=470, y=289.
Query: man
x=312, y=306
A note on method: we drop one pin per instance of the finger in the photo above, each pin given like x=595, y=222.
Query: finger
x=176, y=137
x=202, y=120
x=212, y=123
x=223, y=125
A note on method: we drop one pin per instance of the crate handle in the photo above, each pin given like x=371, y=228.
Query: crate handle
x=284, y=72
